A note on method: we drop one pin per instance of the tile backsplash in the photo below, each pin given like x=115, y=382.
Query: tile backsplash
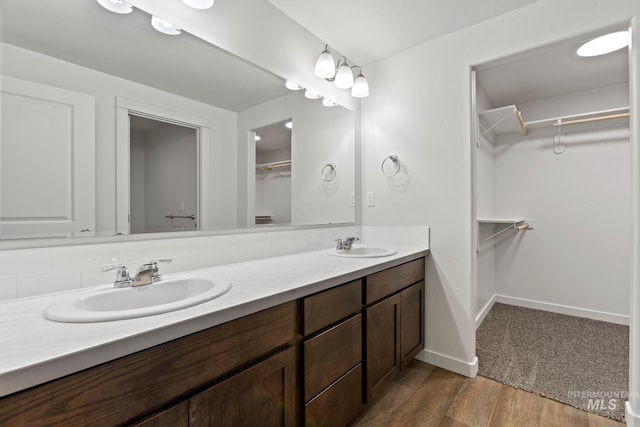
x=29, y=272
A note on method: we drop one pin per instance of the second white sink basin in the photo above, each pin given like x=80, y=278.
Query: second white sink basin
x=126, y=303
x=362, y=252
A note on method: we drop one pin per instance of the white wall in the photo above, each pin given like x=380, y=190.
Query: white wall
x=419, y=109
x=579, y=254
x=27, y=65
x=171, y=178
x=320, y=135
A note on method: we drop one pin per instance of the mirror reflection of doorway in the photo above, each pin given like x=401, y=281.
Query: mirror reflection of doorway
x=163, y=176
x=273, y=173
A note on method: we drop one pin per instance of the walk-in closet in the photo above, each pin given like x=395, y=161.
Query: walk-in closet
x=552, y=198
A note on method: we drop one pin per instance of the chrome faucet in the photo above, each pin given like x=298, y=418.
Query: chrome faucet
x=147, y=273
x=345, y=245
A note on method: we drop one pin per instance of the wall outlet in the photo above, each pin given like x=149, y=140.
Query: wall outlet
x=352, y=199
x=371, y=198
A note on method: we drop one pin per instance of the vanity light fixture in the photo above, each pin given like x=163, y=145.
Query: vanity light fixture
x=325, y=65
x=289, y=125
x=310, y=94
x=341, y=73
x=164, y=26
x=116, y=6
x=360, y=87
x=199, y=4
x=604, y=44
x=292, y=86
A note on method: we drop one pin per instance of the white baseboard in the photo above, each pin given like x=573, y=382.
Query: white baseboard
x=632, y=419
x=564, y=309
x=485, y=310
x=449, y=363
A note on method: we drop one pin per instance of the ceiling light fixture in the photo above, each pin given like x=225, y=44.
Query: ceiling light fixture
x=116, y=6
x=258, y=138
x=341, y=74
x=604, y=44
x=289, y=125
x=199, y=4
x=328, y=102
x=292, y=86
x=311, y=95
x=164, y=26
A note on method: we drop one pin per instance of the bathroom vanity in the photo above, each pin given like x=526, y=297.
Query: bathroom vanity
x=314, y=354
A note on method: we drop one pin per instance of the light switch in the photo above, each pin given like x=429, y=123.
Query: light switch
x=371, y=198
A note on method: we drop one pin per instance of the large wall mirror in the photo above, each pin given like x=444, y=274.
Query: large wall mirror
x=104, y=117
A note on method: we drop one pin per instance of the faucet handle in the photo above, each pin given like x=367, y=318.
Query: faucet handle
x=156, y=274
x=123, y=278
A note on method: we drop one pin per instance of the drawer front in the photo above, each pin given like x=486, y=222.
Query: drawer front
x=328, y=307
x=338, y=405
x=329, y=355
x=384, y=283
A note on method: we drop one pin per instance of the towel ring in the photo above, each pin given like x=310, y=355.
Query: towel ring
x=328, y=172
x=396, y=167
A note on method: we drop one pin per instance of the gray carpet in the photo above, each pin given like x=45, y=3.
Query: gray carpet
x=581, y=362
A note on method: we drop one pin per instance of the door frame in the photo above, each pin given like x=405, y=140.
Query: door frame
x=126, y=107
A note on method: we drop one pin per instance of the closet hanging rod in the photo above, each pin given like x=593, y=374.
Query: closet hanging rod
x=273, y=165
x=592, y=119
x=589, y=115
x=517, y=225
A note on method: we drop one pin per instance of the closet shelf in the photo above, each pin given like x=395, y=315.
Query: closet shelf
x=502, y=120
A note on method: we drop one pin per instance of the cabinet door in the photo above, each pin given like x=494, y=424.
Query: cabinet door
x=176, y=416
x=262, y=395
x=411, y=322
x=383, y=345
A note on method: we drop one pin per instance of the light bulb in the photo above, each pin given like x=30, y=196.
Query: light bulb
x=311, y=95
x=325, y=65
x=164, y=26
x=292, y=86
x=198, y=4
x=344, y=77
x=116, y=6
x=604, y=44
x=360, y=87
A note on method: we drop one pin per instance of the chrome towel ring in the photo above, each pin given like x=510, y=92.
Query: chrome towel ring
x=328, y=172
x=393, y=170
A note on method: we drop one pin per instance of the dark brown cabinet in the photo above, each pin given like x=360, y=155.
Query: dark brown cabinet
x=175, y=416
x=262, y=395
x=332, y=356
x=394, y=319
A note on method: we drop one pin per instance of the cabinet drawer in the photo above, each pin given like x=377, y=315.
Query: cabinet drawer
x=329, y=355
x=328, y=307
x=339, y=404
x=386, y=282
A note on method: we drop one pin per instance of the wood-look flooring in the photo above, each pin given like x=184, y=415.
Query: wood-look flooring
x=430, y=396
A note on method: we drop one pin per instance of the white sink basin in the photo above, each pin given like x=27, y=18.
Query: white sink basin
x=139, y=301
x=362, y=252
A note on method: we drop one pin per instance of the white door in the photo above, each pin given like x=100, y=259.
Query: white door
x=47, y=161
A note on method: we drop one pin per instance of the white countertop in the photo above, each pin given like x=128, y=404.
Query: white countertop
x=36, y=350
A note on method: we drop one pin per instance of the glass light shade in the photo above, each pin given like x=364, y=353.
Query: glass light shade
x=604, y=44
x=116, y=6
x=344, y=77
x=292, y=86
x=289, y=125
x=311, y=95
x=198, y=4
x=360, y=87
x=328, y=102
x=325, y=65
x=164, y=26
